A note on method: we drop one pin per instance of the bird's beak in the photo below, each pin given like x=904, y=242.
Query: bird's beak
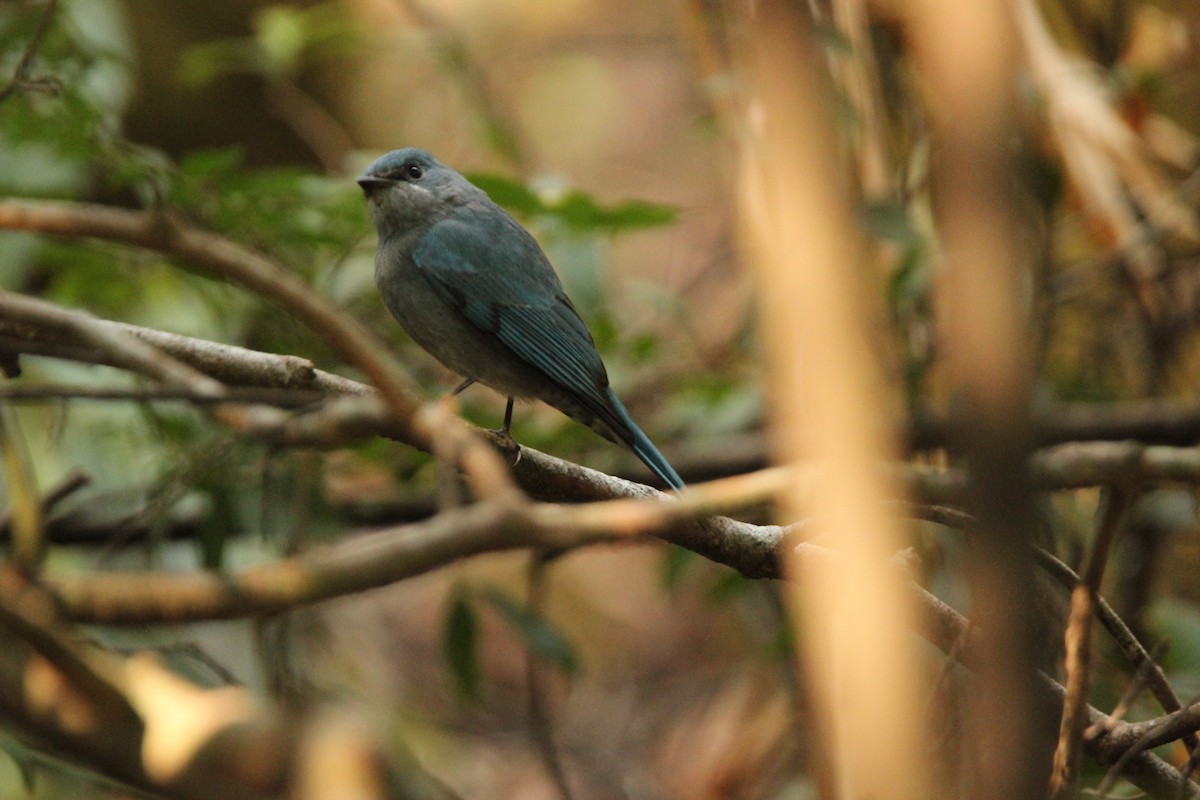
x=371, y=183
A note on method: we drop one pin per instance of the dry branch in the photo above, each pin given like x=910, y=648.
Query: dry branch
x=218, y=257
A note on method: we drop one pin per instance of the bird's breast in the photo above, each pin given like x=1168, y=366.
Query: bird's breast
x=443, y=332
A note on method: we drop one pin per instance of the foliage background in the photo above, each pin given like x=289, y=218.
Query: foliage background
x=669, y=675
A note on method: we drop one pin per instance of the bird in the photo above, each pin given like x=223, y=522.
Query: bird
x=475, y=290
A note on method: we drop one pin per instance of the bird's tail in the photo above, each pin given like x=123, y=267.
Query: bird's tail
x=643, y=448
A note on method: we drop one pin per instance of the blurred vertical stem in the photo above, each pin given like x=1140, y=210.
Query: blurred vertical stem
x=858, y=75
x=828, y=404
x=966, y=53
x=24, y=505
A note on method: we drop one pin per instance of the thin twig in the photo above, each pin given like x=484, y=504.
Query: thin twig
x=311, y=122
x=1065, y=774
x=1150, y=739
x=195, y=469
x=45, y=393
x=1140, y=679
x=1134, y=651
x=20, y=77
x=73, y=482
x=1139, y=658
x=949, y=733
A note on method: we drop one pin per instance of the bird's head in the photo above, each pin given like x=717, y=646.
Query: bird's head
x=407, y=187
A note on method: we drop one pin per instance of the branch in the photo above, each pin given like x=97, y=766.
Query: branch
x=136, y=722
x=1066, y=466
x=229, y=364
x=1139, y=658
x=218, y=257
x=117, y=346
x=949, y=631
x=1137, y=655
x=131, y=353
x=1084, y=596
x=1151, y=733
x=374, y=559
x=1158, y=421
x=50, y=393
x=60, y=693
x=386, y=556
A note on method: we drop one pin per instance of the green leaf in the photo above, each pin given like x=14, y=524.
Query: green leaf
x=460, y=644
x=286, y=39
x=582, y=211
x=282, y=35
x=514, y=196
x=573, y=207
x=25, y=762
x=203, y=63
x=212, y=162
x=644, y=347
x=539, y=636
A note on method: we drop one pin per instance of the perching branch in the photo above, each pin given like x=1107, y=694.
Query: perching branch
x=383, y=557
x=1066, y=466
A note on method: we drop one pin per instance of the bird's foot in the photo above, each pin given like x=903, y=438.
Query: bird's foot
x=503, y=441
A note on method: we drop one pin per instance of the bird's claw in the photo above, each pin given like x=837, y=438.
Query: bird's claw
x=503, y=441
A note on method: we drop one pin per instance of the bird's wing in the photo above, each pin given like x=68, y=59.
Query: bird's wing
x=488, y=268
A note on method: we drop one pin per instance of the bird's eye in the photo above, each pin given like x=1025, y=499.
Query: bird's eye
x=412, y=172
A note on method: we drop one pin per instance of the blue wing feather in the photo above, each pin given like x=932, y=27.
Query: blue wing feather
x=518, y=297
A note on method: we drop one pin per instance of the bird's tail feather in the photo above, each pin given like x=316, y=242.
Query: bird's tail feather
x=644, y=449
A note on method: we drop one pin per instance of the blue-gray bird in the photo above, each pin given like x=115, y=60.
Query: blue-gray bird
x=472, y=287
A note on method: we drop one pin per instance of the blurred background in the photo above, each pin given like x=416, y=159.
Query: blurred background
x=253, y=119
x=606, y=126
